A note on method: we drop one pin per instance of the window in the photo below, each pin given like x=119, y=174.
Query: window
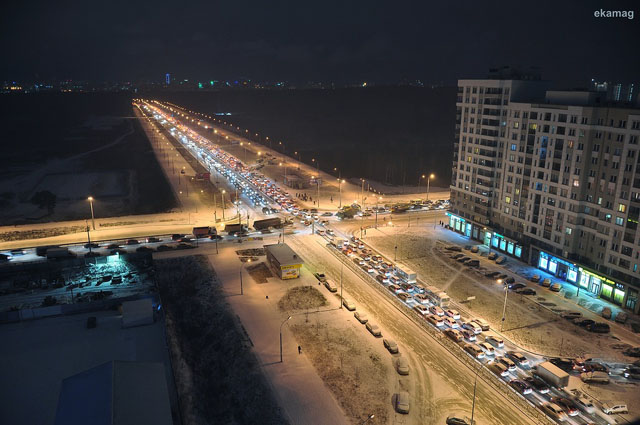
x=576, y=183
x=622, y=208
x=507, y=199
x=568, y=230
x=514, y=146
x=619, y=221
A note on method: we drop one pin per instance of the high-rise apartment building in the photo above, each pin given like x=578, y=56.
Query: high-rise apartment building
x=552, y=178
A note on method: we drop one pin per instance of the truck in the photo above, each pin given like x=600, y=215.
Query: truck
x=266, y=223
x=552, y=374
x=58, y=253
x=234, y=229
x=204, y=231
x=338, y=242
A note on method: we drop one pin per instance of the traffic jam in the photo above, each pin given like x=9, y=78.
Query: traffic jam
x=541, y=381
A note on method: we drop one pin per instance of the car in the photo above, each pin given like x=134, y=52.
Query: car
x=488, y=348
x=456, y=256
x=462, y=259
x=453, y=248
x=374, y=329
x=132, y=242
x=390, y=345
x=520, y=386
x=508, y=280
x=361, y=317
x=402, y=402
x=91, y=245
x=501, y=259
x=450, y=322
x=162, y=248
x=435, y=320
x=176, y=236
x=456, y=420
x=472, y=263
x=517, y=286
x=474, y=350
x=434, y=309
x=454, y=334
x=632, y=372
x=526, y=291
x=546, y=282
x=184, y=245
x=595, y=367
x=535, y=278
x=402, y=366
x=556, y=287
x=492, y=256
x=320, y=276
x=421, y=309
x=327, y=214
x=484, y=325
x=17, y=252
x=348, y=304
x=596, y=377
x=565, y=404
x=421, y=298
x=615, y=408
x=405, y=297
x=537, y=384
x=492, y=274
x=394, y=288
x=495, y=341
x=498, y=368
x=113, y=246
x=468, y=335
x=152, y=239
x=472, y=327
x=554, y=411
x=585, y=404
x=599, y=327
x=475, y=249
x=330, y=286
x=583, y=322
x=454, y=314
x=144, y=249
x=5, y=257
x=564, y=364
x=518, y=358
x=511, y=366
x=571, y=315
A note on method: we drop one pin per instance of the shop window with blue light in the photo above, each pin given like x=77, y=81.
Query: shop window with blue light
x=510, y=248
x=518, y=251
x=495, y=241
x=503, y=244
x=553, y=266
x=543, y=263
x=572, y=275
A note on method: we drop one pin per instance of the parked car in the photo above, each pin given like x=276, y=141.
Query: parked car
x=535, y=278
x=348, y=304
x=454, y=314
x=526, y=291
x=361, y=317
x=91, y=245
x=632, y=372
x=402, y=366
x=492, y=274
x=454, y=334
x=132, y=242
x=402, y=402
x=374, y=329
x=564, y=364
x=492, y=256
x=501, y=259
x=555, y=287
x=615, y=408
x=600, y=328
x=546, y=282
x=390, y=345
x=162, y=248
x=571, y=315
x=606, y=312
x=453, y=248
x=330, y=286
x=320, y=276
x=456, y=420
x=517, y=286
x=597, y=377
x=509, y=280
x=583, y=322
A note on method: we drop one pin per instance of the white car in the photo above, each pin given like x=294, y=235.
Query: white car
x=434, y=309
x=488, y=348
x=421, y=309
x=472, y=327
x=613, y=408
x=484, y=325
x=454, y=314
x=495, y=341
x=450, y=322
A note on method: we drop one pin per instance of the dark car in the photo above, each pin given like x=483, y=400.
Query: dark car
x=5, y=257
x=595, y=367
x=518, y=358
x=454, y=420
x=537, y=384
x=144, y=249
x=113, y=246
x=183, y=245
x=162, y=248
x=509, y=280
x=91, y=245
x=564, y=364
x=132, y=242
x=152, y=239
x=492, y=274
x=16, y=252
x=185, y=239
x=176, y=236
x=526, y=291
x=502, y=276
x=599, y=328
x=516, y=286
x=520, y=386
x=453, y=248
x=584, y=322
x=565, y=404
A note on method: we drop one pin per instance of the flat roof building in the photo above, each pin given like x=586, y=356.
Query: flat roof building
x=283, y=260
x=552, y=178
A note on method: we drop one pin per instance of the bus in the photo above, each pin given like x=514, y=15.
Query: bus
x=406, y=274
x=437, y=297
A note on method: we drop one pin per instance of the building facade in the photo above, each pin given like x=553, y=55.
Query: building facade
x=552, y=178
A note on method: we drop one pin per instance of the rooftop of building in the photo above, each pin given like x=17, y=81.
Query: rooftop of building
x=283, y=254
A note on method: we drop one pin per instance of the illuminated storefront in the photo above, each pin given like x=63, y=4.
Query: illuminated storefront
x=461, y=225
x=558, y=267
x=500, y=243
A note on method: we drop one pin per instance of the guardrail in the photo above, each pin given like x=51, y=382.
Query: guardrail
x=521, y=403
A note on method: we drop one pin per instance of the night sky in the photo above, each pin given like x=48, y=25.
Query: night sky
x=344, y=41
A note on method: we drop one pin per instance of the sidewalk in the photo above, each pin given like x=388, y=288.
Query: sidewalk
x=299, y=390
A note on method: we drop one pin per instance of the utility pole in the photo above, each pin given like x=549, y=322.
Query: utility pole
x=341, y=269
x=88, y=238
x=504, y=307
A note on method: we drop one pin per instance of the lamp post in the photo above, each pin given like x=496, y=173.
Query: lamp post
x=242, y=267
x=504, y=307
x=362, y=194
x=93, y=221
x=341, y=269
x=317, y=179
x=473, y=404
x=431, y=176
x=340, y=189
x=223, y=206
x=379, y=198
x=285, y=321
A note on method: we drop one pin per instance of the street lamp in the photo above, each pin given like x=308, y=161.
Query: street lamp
x=504, y=307
x=340, y=188
x=223, y=206
x=368, y=419
x=431, y=176
x=93, y=221
x=242, y=267
x=285, y=321
x=379, y=198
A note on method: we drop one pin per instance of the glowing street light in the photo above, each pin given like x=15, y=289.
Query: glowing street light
x=340, y=189
x=93, y=221
x=285, y=321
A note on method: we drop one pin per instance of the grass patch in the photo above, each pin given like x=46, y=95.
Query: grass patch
x=302, y=298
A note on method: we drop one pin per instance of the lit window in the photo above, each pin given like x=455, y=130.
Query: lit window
x=622, y=208
x=576, y=183
x=514, y=147
x=619, y=221
x=568, y=230
x=507, y=199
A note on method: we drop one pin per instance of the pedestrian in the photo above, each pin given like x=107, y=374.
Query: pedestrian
x=299, y=350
